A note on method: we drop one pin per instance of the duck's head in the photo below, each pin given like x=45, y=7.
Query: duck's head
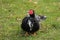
x=31, y=13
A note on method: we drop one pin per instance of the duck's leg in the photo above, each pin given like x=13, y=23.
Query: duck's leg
x=26, y=34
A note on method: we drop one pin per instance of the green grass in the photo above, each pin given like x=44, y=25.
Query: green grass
x=13, y=11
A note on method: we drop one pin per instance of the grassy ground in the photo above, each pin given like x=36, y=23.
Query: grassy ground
x=13, y=11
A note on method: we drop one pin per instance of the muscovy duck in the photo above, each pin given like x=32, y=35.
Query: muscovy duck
x=30, y=23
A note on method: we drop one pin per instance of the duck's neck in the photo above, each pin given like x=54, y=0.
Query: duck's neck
x=33, y=15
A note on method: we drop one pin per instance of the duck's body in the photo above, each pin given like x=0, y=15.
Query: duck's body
x=30, y=25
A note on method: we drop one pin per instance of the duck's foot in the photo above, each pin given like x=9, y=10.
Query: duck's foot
x=26, y=34
x=34, y=34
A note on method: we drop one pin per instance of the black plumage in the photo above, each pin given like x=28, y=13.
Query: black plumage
x=34, y=25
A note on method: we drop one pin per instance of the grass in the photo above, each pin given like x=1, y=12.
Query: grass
x=13, y=11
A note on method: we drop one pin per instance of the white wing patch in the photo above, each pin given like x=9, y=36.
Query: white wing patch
x=30, y=24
